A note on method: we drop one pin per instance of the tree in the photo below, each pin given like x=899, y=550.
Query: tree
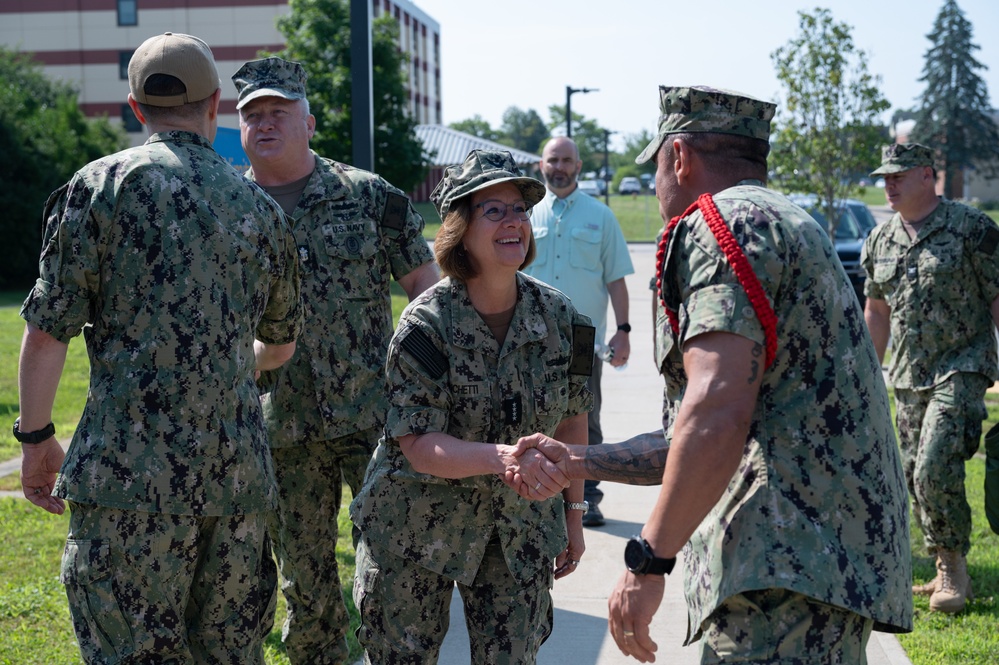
x=44, y=139
x=828, y=128
x=523, y=130
x=476, y=126
x=587, y=134
x=955, y=117
x=317, y=34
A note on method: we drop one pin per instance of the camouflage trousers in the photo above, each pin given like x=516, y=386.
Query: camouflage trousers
x=304, y=534
x=781, y=627
x=155, y=588
x=405, y=610
x=939, y=430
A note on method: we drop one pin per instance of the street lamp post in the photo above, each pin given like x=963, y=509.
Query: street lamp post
x=607, y=134
x=569, y=90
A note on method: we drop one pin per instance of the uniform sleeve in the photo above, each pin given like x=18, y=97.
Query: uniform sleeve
x=407, y=248
x=283, y=317
x=615, y=256
x=69, y=265
x=871, y=288
x=416, y=376
x=984, y=254
x=713, y=298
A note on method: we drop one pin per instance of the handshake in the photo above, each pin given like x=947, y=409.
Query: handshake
x=539, y=467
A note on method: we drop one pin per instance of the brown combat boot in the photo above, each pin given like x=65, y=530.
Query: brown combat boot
x=926, y=589
x=953, y=584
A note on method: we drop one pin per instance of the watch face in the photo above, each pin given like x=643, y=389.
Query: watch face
x=634, y=555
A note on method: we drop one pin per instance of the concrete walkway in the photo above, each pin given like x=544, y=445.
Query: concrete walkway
x=632, y=403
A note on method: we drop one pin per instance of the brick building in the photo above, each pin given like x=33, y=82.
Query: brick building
x=88, y=43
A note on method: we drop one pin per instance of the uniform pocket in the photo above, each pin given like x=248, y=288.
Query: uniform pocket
x=86, y=572
x=351, y=260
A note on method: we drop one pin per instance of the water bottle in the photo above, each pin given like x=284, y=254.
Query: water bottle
x=604, y=352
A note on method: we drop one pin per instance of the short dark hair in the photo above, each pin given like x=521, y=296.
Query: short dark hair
x=449, y=251
x=730, y=154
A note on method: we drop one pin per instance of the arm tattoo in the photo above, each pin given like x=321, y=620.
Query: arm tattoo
x=640, y=460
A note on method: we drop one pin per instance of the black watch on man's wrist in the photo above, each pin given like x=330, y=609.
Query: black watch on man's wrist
x=640, y=559
x=33, y=437
x=625, y=327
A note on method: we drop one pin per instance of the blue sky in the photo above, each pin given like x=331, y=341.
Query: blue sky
x=524, y=52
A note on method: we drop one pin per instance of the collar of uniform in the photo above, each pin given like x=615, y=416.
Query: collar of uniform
x=177, y=136
x=469, y=331
x=325, y=185
x=936, y=220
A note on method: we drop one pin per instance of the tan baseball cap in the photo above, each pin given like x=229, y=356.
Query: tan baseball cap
x=712, y=110
x=184, y=57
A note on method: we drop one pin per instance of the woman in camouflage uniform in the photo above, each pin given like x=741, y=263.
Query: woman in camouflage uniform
x=485, y=356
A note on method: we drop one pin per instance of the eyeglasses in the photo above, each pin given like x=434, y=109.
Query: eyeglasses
x=496, y=210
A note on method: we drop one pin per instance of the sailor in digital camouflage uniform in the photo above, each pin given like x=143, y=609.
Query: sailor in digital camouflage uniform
x=782, y=483
x=933, y=285
x=170, y=263
x=324, y=410
x=484, y=357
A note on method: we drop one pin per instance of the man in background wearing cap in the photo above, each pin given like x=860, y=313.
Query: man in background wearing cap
x=582, y=252
x=933, y=287
x=325, y=409
x=782, y=481
x=172, y=264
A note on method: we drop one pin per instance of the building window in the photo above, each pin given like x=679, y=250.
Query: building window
x=128, y=119
x=124, y=57
x=128, y=12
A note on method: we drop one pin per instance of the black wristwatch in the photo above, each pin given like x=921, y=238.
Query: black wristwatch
x=640, y=559
x=33, y=437
x=625, y=327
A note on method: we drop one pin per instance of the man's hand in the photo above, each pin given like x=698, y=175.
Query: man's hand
x=39, y=467
x=622, y=348
x=630, y=609
x=531, y=474
x=529, y=451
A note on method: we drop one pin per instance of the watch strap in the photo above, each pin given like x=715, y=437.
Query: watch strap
x=577, y=505
x=625, y=327
x=37, y=436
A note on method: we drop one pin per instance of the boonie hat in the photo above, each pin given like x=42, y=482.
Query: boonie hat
x=899, y=157
x=483, y=168
x=704, y=109
x=182, y=56
x=270, y=77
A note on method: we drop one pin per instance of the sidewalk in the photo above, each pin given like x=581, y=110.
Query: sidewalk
x=632, y=403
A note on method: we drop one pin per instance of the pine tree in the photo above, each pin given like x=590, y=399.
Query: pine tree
x=955, y=117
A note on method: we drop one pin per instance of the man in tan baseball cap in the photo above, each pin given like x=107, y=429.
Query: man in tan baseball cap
x=172, y=78
x=168, y=477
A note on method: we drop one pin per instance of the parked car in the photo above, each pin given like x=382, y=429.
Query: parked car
x=591, y=187
x=862, y=213
x=629, y=185
x=849, y=240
